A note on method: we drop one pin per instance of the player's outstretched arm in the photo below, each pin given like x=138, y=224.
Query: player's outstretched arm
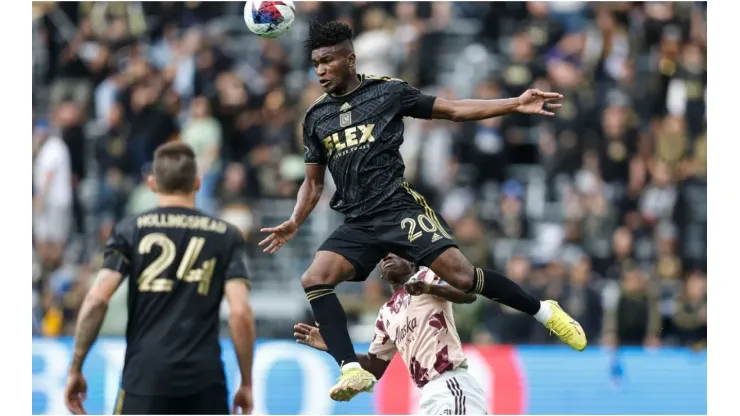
x=310, y=335
x=531, y=102
x=309, y=193
x=308, y=196
x=241, y=323
x=446, y=292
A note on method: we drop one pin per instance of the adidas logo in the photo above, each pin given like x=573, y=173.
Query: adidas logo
x=436, y=237
x=345, y=107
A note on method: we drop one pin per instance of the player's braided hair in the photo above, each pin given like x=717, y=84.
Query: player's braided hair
x=327, y=34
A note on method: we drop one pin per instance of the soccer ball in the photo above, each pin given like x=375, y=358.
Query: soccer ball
x=269, y=19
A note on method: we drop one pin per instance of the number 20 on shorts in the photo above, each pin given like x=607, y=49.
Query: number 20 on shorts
x=424, y=222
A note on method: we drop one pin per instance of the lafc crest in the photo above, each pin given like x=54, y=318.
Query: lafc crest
x=345, y=116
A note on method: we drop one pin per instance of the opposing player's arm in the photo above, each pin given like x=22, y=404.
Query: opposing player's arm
x=376, y=366
x=94, y=306
x=381, y=351
x=241, y=319
x=429, y=283
x=309, y=335
x=444, y=291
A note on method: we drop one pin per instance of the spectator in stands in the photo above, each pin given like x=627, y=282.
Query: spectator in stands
x=618, y=141
x=482, y=144
x=629, y=202
x=632, y=312
x=203, y=133
x=114, y=167
x=659, y=197
x=622, y=254
x=512, y=220
x=544, y=31
x=73, y=78
x=690, y=211
x=597, y=217
x=691, y=311
x=667, y=272
x=52, y=204
x=150, y=124
x=375, y=49
x=70, y=118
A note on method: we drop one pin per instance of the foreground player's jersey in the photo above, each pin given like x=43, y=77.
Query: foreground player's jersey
x=422, y=330
x=358, y=135
x=177, y=261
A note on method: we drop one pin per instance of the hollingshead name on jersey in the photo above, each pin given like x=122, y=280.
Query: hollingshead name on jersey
x=349, y=140
x=194, y=222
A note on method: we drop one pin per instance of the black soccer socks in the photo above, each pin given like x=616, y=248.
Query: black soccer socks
x=498, y=287
x=332, y=322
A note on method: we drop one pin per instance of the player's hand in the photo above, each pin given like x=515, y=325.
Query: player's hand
x=243, y=401
x=416, y=287
x=278, y=236
x=75, y=393
x=538, y=102
x=309, y=335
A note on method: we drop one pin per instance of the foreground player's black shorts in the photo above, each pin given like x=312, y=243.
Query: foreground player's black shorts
x=210, y=401
x=409, y=228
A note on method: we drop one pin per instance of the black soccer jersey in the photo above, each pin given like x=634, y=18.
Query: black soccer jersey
x=358, y=135
x=177, y=261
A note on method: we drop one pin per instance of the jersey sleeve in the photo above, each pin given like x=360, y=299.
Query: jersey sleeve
x=118, y=251
x=236, y=268
x=427, y=275
x=414, y=103
x=313, y=150
x=381, y=346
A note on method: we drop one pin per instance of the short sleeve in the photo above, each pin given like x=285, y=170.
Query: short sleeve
x=427, y=275
x=381, y=346
x=117, y=254
x=236, y=268
x=414, y=103
x=313, y=150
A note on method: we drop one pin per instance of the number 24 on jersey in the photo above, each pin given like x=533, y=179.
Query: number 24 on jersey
x=150, y=279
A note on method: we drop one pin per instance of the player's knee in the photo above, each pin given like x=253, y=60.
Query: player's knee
x=455, y=269
x=462, y=278
x=327, y=269
x=313, y=278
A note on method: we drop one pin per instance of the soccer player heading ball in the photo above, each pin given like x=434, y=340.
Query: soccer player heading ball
x=356, y=129
x=418, y=323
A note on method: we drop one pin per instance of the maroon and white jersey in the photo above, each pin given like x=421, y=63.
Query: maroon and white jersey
x=422, y=330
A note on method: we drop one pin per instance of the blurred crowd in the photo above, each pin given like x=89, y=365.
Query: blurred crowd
x=602, y=207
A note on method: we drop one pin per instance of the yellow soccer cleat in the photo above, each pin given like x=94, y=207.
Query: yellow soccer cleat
x=352, y=382
x=566, y=328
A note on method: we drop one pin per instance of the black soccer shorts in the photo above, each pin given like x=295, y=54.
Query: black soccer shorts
x=409, y=228
x=212, y=400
